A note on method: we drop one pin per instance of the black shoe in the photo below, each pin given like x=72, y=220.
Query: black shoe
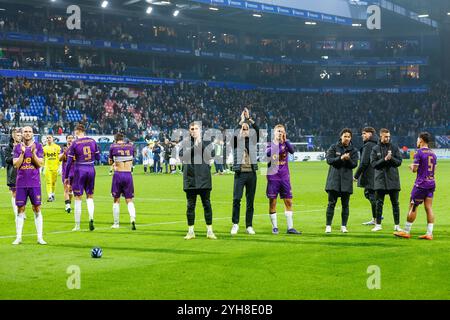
x=91, y=225
x=68, y=210
x=49, y=199
x=133, y=226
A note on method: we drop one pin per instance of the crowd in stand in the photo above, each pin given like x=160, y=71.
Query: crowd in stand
x=155, y=111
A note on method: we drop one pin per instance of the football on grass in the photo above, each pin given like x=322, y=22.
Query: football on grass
x=96, y=252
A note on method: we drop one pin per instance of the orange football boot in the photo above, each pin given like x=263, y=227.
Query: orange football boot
x=426, y=237
x=402, y=234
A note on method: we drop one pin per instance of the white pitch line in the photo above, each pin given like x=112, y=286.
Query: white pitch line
x=140, y=225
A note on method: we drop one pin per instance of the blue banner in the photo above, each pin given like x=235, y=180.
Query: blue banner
x=237, y=4
x=49, y=75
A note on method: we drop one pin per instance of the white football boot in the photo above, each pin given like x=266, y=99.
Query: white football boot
x=377, y=228
x=234, y=229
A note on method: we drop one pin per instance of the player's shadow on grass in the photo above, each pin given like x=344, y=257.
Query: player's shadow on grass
x=96, y=223
x=337, y=240
x=138, y=249
x=272, y=239
x=145, y=231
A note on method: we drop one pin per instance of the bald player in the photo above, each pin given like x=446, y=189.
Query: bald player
x=28, y=158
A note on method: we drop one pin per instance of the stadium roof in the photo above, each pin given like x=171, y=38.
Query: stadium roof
x=268, y=24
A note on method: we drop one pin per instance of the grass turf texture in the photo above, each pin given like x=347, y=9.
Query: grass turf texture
x=155, y=262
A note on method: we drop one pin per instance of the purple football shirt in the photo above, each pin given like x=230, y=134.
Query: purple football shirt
x=121, y=152
x=83, y=152
x=64, y=163
x=279, y=154
x=426, y=160
x=28, y=175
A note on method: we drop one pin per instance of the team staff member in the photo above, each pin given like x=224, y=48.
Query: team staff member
x=365, y=172
x=196, y=179
x=157, y=157
x=245, y=167
x=11, y=171
x=342, y=158
x=51, y=164
x=386, y=159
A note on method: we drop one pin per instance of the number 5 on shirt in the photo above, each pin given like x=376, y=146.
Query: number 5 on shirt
x=430, y=164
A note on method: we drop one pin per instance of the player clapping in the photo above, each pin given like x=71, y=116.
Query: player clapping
x=27, y=160
x=278, y=178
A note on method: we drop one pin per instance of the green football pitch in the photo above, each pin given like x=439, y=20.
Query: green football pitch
x=155, y=262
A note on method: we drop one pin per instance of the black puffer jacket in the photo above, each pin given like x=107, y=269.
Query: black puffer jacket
x=365, y=172
x=196, y=176
x=386, y=172
x=340, y=173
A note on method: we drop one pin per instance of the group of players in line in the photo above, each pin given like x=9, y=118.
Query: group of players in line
x=377, y=174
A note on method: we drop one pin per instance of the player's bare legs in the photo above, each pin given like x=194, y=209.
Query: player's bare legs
x=412, y=214
x=288, y=204
x=429, y=210
x=430, y=219
x=37, y=220
x=13, y=203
